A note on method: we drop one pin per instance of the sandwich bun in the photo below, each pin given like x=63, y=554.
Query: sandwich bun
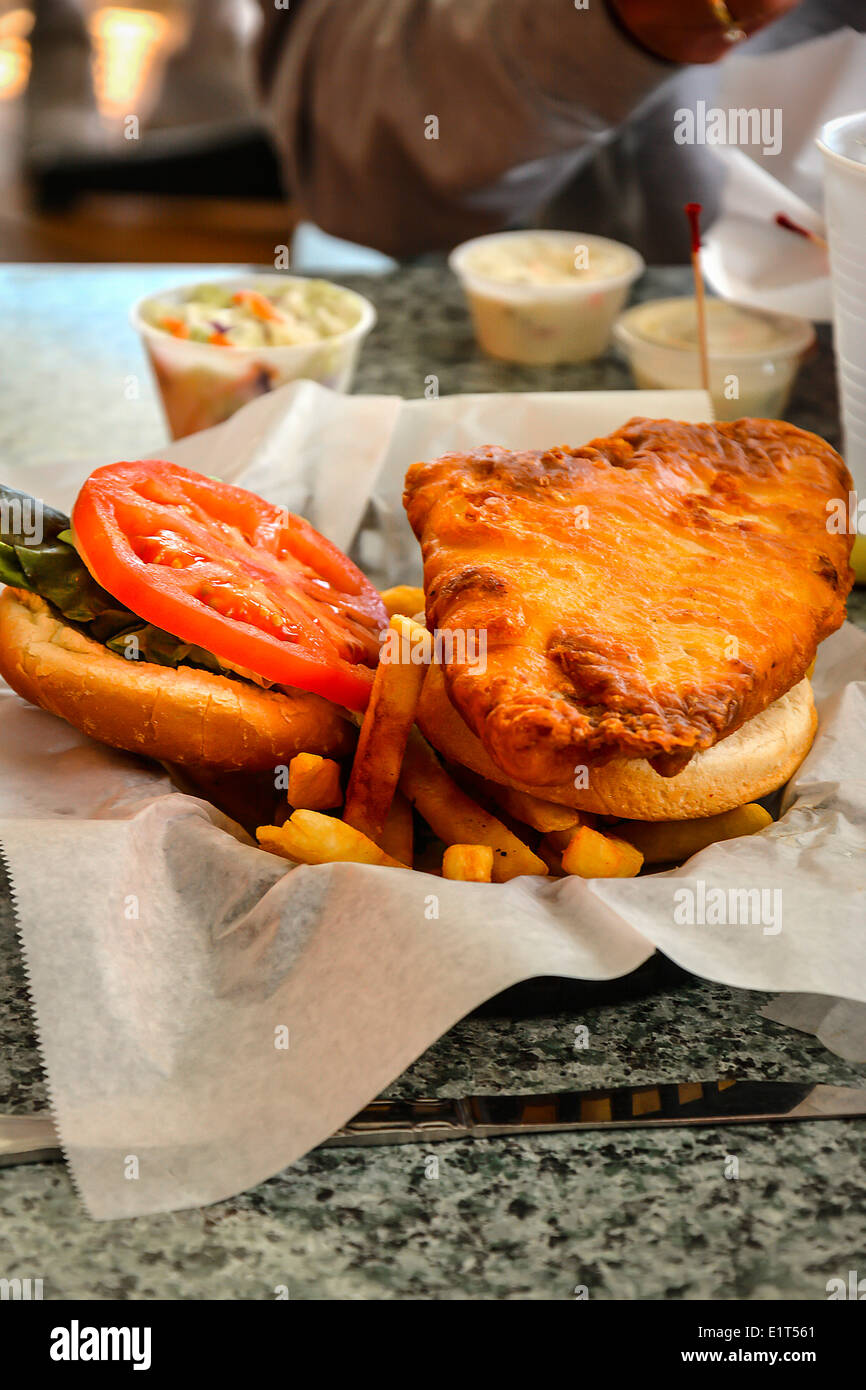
x=757, y=758
x=182, y=715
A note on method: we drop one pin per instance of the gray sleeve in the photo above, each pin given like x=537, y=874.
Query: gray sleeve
x=411, y=124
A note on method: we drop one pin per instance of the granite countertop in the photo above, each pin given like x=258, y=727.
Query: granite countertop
x=643, y=1215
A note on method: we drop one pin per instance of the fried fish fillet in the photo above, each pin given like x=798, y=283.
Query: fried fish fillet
x=642, y=596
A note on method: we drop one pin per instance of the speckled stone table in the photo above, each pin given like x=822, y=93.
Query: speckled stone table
x=629, y=1215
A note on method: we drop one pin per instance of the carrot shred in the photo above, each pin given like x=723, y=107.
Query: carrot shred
x=258, y=304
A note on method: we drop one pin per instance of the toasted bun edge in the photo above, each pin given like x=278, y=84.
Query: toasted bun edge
x=174, y=714
x=755, y=760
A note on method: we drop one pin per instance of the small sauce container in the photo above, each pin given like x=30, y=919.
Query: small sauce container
x=543, y=297
x=753, y=357
x=203, y=383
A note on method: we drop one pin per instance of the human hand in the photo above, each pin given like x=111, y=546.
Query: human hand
x=694, y=31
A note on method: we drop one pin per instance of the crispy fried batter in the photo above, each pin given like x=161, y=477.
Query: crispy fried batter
x=642, y=596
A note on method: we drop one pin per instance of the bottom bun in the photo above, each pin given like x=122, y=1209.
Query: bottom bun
x=759, y=757
x=175, y=714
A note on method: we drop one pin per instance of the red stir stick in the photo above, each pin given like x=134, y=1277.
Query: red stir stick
x=791, y=226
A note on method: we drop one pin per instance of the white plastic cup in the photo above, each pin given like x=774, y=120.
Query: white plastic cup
x=202, y=384
x=543, y=323
x=842, y=142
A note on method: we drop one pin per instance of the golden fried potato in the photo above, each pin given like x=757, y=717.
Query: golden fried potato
x=405, y=599
x=672, y=841
x=309, y=837
x=590, y=854
x=399, y=833
x=456, y=818
x=472, y=863
x=541, y=815
x=314, y=783
x=389, y=716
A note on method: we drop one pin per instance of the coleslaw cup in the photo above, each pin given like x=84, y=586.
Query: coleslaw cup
x=545, y=323
x=202, y=384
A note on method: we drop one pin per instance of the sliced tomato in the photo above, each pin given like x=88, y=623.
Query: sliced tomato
x=221, y=568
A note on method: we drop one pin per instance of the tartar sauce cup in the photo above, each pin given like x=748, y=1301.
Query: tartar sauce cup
x=753, y=357
x=203, y=383
x=543, y=297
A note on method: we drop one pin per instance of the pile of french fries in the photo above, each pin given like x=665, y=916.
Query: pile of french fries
x=487, y=833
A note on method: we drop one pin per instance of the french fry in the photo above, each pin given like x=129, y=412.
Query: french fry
x=455, y=817
x=405, y=599
x=441, y=725
x=399, y=833
x=521, y=808
x=308, y=837
x=672, y=841
x=542, y=815
x=314, y=783
x=559, y=840
x=387, y=720
x=472, y=863
x=592, y=855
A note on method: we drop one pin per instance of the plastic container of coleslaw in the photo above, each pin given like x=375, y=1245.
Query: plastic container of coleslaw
x=215, y=345
x=542, y=297
x=754, y=357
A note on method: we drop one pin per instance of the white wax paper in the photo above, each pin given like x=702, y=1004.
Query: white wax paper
x=840, y=1024
x=746, y=256
x=166, y=952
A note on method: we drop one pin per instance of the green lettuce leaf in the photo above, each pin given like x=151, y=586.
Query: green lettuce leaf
x=37, y=554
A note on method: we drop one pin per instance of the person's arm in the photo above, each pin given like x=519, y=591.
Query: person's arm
x=411, y=124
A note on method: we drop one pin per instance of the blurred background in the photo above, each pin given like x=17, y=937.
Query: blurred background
x=131, y=133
